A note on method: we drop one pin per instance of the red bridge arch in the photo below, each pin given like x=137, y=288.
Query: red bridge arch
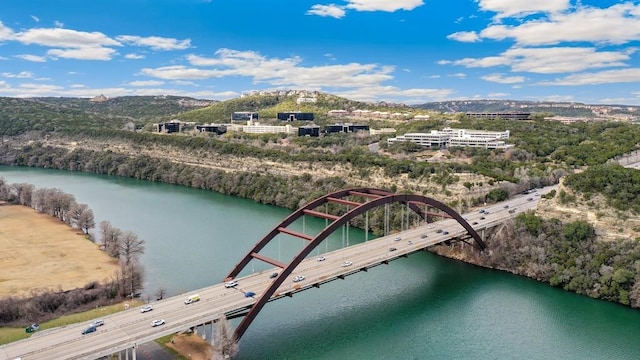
x=373, y=198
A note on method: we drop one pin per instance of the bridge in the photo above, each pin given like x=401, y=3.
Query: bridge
x=433, y=223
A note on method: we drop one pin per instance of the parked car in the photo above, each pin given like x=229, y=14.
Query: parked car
x=158, y=322
x=89, y=330
x=346, y=263
x=32, y=328
x=98, y=322
x=231, y=284
x=146, y=309
x=273, y=275
x=298, y=278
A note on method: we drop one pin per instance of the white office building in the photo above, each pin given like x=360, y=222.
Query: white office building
x=448, y=137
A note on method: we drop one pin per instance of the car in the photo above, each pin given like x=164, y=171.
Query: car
x=439, y=231
x=445, y=233
x=249, y=294
x=98, y=322
x=321, y=258
x=506, y=206
x=298, y=278
x=397, y=238
x=530, y=199
x=429, y=226
x=158, y=322
x=89, y=330
x=347, y=263
x=512, y=211
x=482, y=218
x=481, y=211
x=32, y=328
x=231, y=284
x=146, y=309
x=423, y=236
x=191, y=299
x=273, y=275
x=474, y=223
x=392, y=249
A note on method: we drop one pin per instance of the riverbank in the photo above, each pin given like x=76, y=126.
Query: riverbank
x=39, y=252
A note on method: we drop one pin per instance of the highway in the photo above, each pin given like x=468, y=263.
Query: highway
x=131, y=327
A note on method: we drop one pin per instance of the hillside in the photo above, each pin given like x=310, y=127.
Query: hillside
x=269, y=105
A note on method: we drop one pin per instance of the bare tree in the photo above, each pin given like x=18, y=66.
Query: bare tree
x=130, y=246
x=110, y=238
x=85, y=220
x=24, y=193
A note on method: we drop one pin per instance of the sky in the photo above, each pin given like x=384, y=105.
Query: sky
x=402, y=51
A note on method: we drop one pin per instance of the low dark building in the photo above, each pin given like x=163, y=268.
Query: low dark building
x=244, y=116
x=218, y=129
x=169, y=127
x=337, y=128
x=311, y=130
x=295, y=116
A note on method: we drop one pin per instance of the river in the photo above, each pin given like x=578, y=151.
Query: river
x=422, y=307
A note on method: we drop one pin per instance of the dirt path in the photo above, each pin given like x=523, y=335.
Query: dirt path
x=38, y=251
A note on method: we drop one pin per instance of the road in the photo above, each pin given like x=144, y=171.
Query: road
x=131, y=327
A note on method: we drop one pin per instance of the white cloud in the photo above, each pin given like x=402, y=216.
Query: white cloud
x=184, y=83
x=33, y=58
x=146, y=83
x=464, y=36
x=5, y=32
x=58, y=24
x=501, y=79
x=64, y=38
x=156, y=42
x=331, y=10
x=20, y=75
x=549, y=60
x=602, y=77
x=458, y=75
x=35, y=18
x=134, y=56
x=383, y=5
x=517, y=8
x=86, y=53
x=616, y=25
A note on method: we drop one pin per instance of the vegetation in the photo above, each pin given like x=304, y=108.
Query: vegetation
x=46, y=304
x=619, y=185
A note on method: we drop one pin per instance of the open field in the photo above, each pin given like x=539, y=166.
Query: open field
x=38, y=251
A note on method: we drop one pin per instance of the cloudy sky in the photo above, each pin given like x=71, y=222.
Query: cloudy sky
x=410, y=51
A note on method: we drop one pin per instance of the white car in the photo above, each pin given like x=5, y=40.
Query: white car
x=98, y=322
x=321, y=258
x=298, y=278
x=231, y=284
x=398, y=238
x=159, y=322
x=146, y=309
x=346, y=263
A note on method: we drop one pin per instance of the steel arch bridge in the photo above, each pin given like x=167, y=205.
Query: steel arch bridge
x=370, y=198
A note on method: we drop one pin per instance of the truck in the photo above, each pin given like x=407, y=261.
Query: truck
x=192, y=299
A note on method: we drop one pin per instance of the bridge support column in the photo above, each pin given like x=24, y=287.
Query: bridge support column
x=133, y=352
x=126, y=354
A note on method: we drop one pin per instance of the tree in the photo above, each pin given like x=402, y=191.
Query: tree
x=130, y=247
x=82, y=217
x=110, y=238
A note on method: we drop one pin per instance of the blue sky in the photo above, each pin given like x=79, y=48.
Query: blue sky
x=409, y=51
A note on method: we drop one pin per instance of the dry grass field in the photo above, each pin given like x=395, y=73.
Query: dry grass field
x=40, y=252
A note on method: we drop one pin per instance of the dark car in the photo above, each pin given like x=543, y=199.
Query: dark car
x=273, y=275
x=89, y=330
x=392, y=249
x=249, y=294
x=32, y=328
